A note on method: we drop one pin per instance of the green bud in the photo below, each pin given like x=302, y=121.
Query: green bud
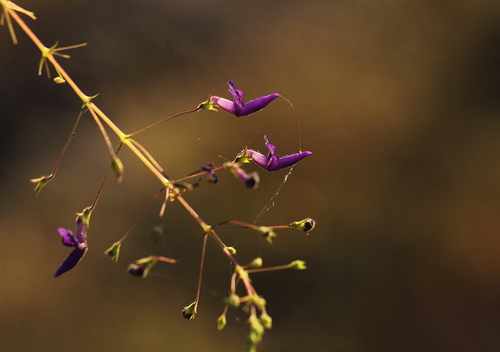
x=298, y=265
x=305, y=225
x=258, y=301
x=233, y=300
x=268, y=233
x=231, y=250
x=221, y=322
x=59, y=80
x=257, y=263
x=40, y=182
x=114, y=251
x=190, y=311
x=117, y=166
x=250, y=343
x=256, y=327
x=266, y=320
x=141, y=267
x=184, y=186
x=157, y=234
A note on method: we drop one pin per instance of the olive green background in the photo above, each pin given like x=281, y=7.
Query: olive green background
x=398, y=101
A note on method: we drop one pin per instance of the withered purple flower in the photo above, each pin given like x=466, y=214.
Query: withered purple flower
x=251, y=180
x=79, y=241
x=238, y=107
x=273, y=162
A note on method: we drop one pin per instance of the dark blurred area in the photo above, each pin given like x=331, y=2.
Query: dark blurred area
x=398, y=101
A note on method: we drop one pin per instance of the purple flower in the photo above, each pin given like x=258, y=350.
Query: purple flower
x=79, y=242
x=273, y=162
x=238, y=107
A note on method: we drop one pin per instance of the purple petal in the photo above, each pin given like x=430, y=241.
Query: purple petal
x=225, y=104
x=287, y=161
x=70, y=262
x=236, y=93
x=272, y=148
x=256, y=105
x=80, y=232
x=67, y=237
x=259, y=158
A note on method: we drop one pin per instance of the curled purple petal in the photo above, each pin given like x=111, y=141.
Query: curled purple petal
x=270, y=147
x=237, y=94
x=70, y=262
x=67, y=237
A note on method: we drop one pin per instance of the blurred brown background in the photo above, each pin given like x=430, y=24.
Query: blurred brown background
x=399, y=102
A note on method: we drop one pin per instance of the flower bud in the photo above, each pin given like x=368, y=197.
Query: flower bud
x=40, y=182
x=190, y=311
x=59, y=80
x=268, y=233
x=233, y=300
x=256, y=326
x=266, y=320
x=256, y=263
x=157, y=234
x=258, y=301
x=231, y=250
x=117, y=166
x=298, y=265
x=141, y=267
x=114, y=251
x=305, y=225
x=221, y=322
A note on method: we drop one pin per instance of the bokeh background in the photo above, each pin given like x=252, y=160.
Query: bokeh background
x=399, y=102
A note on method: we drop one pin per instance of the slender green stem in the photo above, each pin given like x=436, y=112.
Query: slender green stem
x=198, y=173
x=201, y=267
x=164, y=120
x=65, y=147
x=104, y=134
x=272, y=268
x=102, y=183
x=125, y=140
x=150, y=157
x=141, y=215
x=184, y=256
